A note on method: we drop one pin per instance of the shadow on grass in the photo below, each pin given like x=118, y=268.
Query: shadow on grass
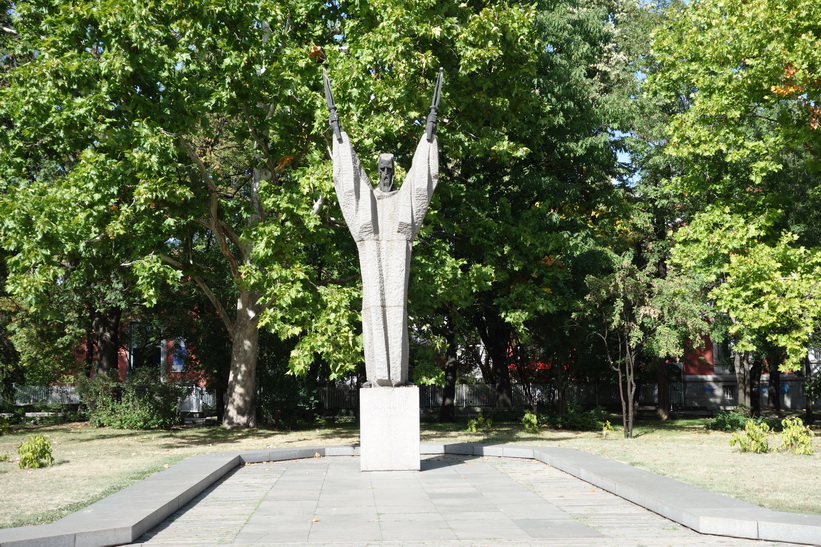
x=227, y=437
x=504, y=433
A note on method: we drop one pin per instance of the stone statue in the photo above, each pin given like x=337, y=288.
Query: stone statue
x=384, y=222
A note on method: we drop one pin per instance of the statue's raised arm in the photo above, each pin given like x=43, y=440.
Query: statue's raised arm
x=333, y=117
x=433, y=116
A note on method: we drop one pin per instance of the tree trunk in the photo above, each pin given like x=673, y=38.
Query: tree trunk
x=90, y=343
x=630, y=388
x=495, y=334
x=663, y=382
x=631, y=397
x=774, y=391
x=809, y=418
x=220, y=403
x=742, y=376
x=623, y=399
x=107, y=334
x=755, y=387
x=561, y=390
x=240, y=407
x=448, y=410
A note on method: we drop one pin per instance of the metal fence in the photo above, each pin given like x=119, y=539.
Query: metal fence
x=700, y=392
x=198, y=400
x=194, y=399
x=45, y=395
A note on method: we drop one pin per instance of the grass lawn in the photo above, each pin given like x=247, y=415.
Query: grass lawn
x=91, y=463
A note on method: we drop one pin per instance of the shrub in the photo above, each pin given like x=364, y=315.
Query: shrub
x=753, y=439
x=575, y=418
x=727, y=421
x=481, y=423
x=796, y=437
x=530, y=422
x=736, y=420
x=5, y=425
x=4, y=457
x=35, y=452
x=141, y=402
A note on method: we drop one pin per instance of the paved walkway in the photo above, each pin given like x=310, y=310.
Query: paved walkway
x=453, y=501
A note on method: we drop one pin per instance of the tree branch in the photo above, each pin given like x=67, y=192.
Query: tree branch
x=269, y=161
x=216, y=225
x=223, y=314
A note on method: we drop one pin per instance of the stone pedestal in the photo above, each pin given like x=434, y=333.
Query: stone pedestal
x=389, y=428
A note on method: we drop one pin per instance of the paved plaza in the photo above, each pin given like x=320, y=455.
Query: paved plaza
x=455, y=500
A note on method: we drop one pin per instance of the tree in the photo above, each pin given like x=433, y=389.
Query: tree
x=162, y=144
x=767, y=288
x=747, y=143
x=518, y=219
x=754, y=98
x=184, y=129
x=638, y=314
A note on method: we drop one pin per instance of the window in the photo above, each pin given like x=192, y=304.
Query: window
x=178, y=356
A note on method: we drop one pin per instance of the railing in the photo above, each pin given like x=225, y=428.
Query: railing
x=45, y=395
x=198, y=400
x=194, y=399
x=711, y=393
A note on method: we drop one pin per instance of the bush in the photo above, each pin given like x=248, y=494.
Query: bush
x=606, y=428
x=530, y=422
x=727, y=421
x=5, y=425
x=575, y=418
x=753, y=439
x=736, y=420
x=35, y=452
x=481, y=423
x=796, y=437
x=141, y=402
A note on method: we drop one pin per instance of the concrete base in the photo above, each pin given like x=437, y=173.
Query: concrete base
x=389, y=428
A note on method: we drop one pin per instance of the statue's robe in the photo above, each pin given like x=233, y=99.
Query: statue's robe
x=384, y=224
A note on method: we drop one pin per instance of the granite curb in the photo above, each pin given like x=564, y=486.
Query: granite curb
x=125, y=516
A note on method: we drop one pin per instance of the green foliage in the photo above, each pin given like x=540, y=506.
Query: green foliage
x=480, y=423
x=285, y=399
x=814, y=387
x=744, y=135
x=530, y=422
x=734, y=420
x=575, y=418
x=428, y=374
x=35, y=452
x=767, y=286
x=751, y=98
x=5, y=425
x=4, y=457
x=754, y=438
x=190, y=145
x=796, y=437
x=143, y=401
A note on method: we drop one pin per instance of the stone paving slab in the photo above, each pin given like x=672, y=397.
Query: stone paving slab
x=273, y=504
x=530, y=504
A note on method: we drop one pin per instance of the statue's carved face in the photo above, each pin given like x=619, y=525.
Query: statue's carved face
x=386, y=172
